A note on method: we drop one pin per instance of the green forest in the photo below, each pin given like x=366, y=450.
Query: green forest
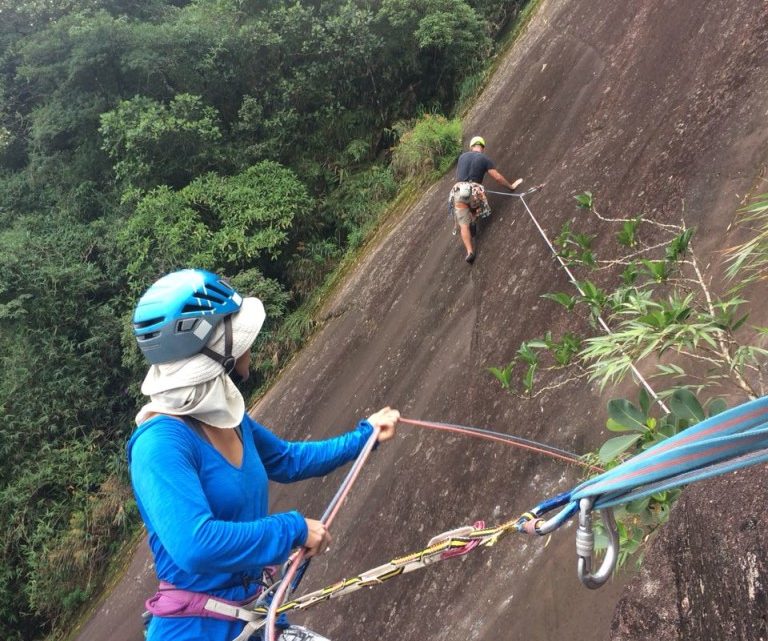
x=251, y=138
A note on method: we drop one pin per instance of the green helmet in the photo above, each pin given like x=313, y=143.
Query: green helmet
x=477, y=140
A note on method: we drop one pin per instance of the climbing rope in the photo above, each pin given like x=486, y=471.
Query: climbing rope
x=298, y=565
x=508, y=439
x=575, y=283
x=731, y=440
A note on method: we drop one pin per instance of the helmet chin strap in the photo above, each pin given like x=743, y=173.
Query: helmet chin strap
x=236, y=377
x=227, y=361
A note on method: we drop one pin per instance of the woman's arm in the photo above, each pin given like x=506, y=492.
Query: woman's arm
x=287, y=461
x=163, y=464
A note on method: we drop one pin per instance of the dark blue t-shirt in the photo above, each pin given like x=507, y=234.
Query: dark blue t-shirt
x=472, y=167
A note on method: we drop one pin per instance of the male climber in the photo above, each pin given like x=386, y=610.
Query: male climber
x=467, y=198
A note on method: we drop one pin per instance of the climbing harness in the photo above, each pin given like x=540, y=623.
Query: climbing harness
x=471, y=194
x=170, y=601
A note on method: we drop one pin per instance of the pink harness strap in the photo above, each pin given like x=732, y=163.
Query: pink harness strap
x=169, y=601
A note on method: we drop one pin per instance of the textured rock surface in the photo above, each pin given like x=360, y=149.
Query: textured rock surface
x=656, y=107
x=705, y=577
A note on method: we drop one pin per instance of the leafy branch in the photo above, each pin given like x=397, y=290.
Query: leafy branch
x=638, y=429
x=660, y=312
x=661, y=307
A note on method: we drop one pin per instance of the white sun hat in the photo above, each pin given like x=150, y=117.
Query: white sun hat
x=199, y=386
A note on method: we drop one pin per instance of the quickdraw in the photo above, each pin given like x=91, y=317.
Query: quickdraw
x=451, y=544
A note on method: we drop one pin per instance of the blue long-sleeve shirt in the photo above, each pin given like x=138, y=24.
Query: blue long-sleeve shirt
x=207, y=520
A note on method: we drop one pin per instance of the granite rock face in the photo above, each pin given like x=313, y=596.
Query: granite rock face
x=705, y=577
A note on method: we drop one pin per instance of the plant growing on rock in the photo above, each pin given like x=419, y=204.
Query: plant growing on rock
x=652, y=308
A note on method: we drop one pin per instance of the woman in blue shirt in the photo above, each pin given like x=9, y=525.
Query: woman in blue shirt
x=200, y=465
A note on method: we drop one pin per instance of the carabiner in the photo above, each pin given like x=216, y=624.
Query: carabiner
x=585, y=545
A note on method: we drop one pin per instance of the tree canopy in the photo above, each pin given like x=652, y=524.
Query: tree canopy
x=248, y=137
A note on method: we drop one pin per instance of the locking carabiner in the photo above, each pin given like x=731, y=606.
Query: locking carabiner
x=585, y=545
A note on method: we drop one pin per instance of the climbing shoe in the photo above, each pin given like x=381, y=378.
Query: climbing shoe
x=470, y=257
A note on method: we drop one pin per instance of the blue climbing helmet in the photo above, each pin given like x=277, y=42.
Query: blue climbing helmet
x=177, y=315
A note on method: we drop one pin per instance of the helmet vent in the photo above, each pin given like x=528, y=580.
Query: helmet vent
x=196, y=308
x=186, y=324
x=208, y=296
x=218, y=289
x=147, y=323
x=226, y=287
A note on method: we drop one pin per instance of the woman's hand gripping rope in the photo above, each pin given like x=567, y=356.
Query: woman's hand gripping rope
x=384, y=423
x=318, y=538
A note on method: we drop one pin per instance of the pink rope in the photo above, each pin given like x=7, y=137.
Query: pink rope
x=298, y=557
x=490, y=437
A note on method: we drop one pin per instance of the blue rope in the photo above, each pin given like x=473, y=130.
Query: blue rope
x=728, y=441
x=732, y=440
x=693, y=476
x=728, y=435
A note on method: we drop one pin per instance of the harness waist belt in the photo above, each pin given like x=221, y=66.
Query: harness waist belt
x=170, y=601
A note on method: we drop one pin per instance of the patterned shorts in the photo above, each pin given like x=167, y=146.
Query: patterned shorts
x=475, y=205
